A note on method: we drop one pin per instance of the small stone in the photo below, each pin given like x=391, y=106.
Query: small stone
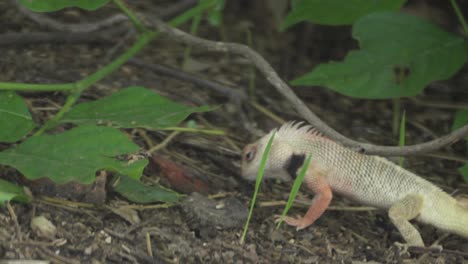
x=42, y=227
x=88, y=250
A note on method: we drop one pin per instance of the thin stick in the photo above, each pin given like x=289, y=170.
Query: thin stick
x=164, y=143
x=15, y=220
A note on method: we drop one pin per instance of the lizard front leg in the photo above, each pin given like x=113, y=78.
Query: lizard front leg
x=402, y=212
x=323, y=196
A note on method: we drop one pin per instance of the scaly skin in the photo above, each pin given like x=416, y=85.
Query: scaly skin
x=369, y=180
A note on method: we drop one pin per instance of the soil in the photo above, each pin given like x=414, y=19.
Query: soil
x=207, y=228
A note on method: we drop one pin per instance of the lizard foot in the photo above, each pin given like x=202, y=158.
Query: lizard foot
x=299, y=222
x=402, y=248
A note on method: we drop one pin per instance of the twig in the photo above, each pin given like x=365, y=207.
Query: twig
x=162, y=144
x=149, y=247
x=29, y=38
x=439, y=104
x=48, y=22
x=433, y=245
x=233, y=93
x=268, y=113
x=56, y=258
x=272, y=77
x=15, y=220
x=174, y=9
x=446, y=157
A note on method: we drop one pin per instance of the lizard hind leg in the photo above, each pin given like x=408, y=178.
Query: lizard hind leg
x=402, y=212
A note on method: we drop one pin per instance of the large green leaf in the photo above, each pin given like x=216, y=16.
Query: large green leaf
x=54, y=5
x=336, y=12
x=15, y=119
x=9, y=191
x=74, y=155
x=461, y=119
x=132, y=107
x=136, y=191
x=400, y=54
x=464, y=172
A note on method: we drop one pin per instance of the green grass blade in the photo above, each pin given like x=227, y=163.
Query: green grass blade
x=294, y=190
x=261, y=170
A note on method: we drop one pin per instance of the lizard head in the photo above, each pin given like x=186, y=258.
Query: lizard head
x=278, y=160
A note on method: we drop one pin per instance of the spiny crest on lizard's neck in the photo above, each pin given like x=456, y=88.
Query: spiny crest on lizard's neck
x=297, y=130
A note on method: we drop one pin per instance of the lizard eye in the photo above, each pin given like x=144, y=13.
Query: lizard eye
x=250, y=154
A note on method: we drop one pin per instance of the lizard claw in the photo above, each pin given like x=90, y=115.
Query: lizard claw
x=298, y=222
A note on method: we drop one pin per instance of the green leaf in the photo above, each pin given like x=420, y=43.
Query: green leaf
x=132, y=107
x=15, y=119
x=295, y=189
x=74, y=155
x=461, y=119
x=336, y=12
x=54, y=5
x=9, y=191
x=136, y=191
x=400, y=55
x=464, y=172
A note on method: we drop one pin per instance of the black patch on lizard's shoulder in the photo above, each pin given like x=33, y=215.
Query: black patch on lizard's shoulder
x=293, y=164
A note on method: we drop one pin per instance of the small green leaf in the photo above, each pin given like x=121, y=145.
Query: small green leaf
x=461, y=119
x=464, y=172
x=400, y=55
x=74, y=155
x=15, y=119
x=9, y=191
x=132, y=107
x=54, y=5
x=336, y=12
x=260, y=173
x=137, y=192
x=295, y=189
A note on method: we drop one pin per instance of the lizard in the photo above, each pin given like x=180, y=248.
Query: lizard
x=369, y=180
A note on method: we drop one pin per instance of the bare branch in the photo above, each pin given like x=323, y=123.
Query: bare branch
x=272, y=77
x=48, y=22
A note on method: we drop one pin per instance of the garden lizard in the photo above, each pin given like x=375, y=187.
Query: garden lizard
x=369, y=180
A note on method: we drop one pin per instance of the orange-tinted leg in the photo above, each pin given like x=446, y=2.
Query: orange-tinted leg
x=322, y=198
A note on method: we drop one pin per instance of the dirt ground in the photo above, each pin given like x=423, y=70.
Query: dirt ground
x=118, y=231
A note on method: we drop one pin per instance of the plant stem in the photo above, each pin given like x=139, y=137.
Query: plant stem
x=193, y=30
x=131, y=16
x=71, y=99
x=195, y=130
x=5, y=86
x=460, y=16
x=396, y=115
